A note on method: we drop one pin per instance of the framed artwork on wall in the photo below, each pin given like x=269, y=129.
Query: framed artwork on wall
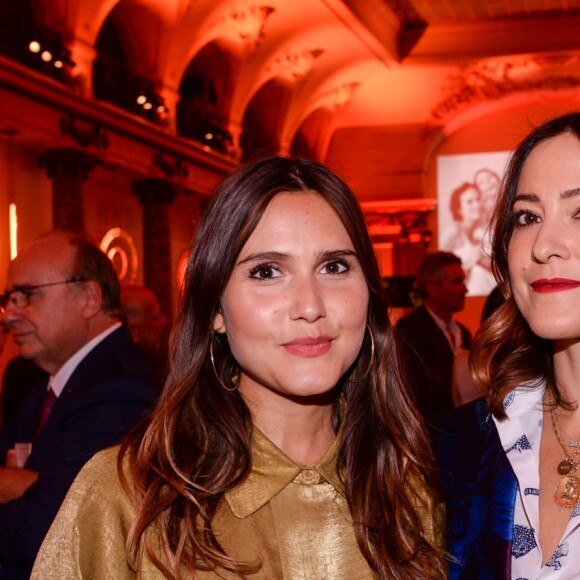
x=467, y=187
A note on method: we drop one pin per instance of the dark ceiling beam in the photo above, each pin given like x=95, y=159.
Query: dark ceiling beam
x=465, y=42
x=378, y=21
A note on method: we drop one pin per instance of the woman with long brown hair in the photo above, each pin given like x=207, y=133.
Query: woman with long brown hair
x=284, y=444
x=511, y=462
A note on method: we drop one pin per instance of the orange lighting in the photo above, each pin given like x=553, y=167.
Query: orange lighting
x=384, y=255
x=46, y=56
x=13, y=231
x=34, y=46
x=181, y=267
x=120, y=259
x=120, y=248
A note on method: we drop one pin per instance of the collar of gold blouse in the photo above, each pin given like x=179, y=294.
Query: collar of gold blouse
x=272, y=470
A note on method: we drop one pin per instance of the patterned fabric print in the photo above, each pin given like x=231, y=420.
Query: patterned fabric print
x=522, y=444
x=523, y=541
x=554, y=561
x=507, y=402
x=520, y=438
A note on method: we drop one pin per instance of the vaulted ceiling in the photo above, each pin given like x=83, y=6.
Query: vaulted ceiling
x=355, y=83
x=445, y=54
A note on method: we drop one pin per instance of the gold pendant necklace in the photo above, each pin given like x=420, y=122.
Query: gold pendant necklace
x=568, y=491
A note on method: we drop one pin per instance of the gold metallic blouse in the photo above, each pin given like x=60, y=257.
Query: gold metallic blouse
x=292, y=518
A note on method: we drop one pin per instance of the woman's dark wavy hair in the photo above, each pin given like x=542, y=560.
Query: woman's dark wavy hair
x=197, y=443
x=506, y=353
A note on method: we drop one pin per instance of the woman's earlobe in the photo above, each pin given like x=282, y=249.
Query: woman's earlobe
x=219, y=323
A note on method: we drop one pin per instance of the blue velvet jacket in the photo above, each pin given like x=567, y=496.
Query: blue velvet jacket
x=480, y=492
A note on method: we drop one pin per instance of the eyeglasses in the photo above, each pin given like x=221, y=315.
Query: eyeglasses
x=20, y=296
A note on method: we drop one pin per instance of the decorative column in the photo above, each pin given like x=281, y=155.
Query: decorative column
x=156, y=195
x=83, y=54
x=68, y=169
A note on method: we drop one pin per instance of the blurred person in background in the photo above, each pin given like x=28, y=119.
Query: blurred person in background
x=62, y=307
x=430, y=338
x=147, y=326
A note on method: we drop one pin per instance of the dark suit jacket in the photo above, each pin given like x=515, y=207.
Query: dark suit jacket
x=428, y=361
x=105, y=396
x=480, y=494
x=20, y=377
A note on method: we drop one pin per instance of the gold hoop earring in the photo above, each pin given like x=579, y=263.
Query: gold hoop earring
x=231, y=389
x=371, y=359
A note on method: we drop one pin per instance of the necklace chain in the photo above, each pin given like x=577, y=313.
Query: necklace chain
x=557, y=434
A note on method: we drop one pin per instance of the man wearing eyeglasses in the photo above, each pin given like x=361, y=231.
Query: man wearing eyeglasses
x=62, y=307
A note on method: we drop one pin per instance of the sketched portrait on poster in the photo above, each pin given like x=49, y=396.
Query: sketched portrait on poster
x=467, y=187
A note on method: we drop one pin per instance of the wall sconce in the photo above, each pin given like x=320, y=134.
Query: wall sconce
x=50, y=51
x=151, y=105
x=151, y=101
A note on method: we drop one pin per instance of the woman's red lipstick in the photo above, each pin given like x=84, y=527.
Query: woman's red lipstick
x=545, y=285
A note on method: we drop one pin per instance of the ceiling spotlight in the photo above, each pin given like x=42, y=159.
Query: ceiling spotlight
x=147, y=106
x=141, y=99
x=34, y=46
x=209, y=136
x=46, y=56
x=58, y=64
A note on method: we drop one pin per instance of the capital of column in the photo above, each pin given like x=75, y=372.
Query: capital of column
x=67, y=161
x=68, y=168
